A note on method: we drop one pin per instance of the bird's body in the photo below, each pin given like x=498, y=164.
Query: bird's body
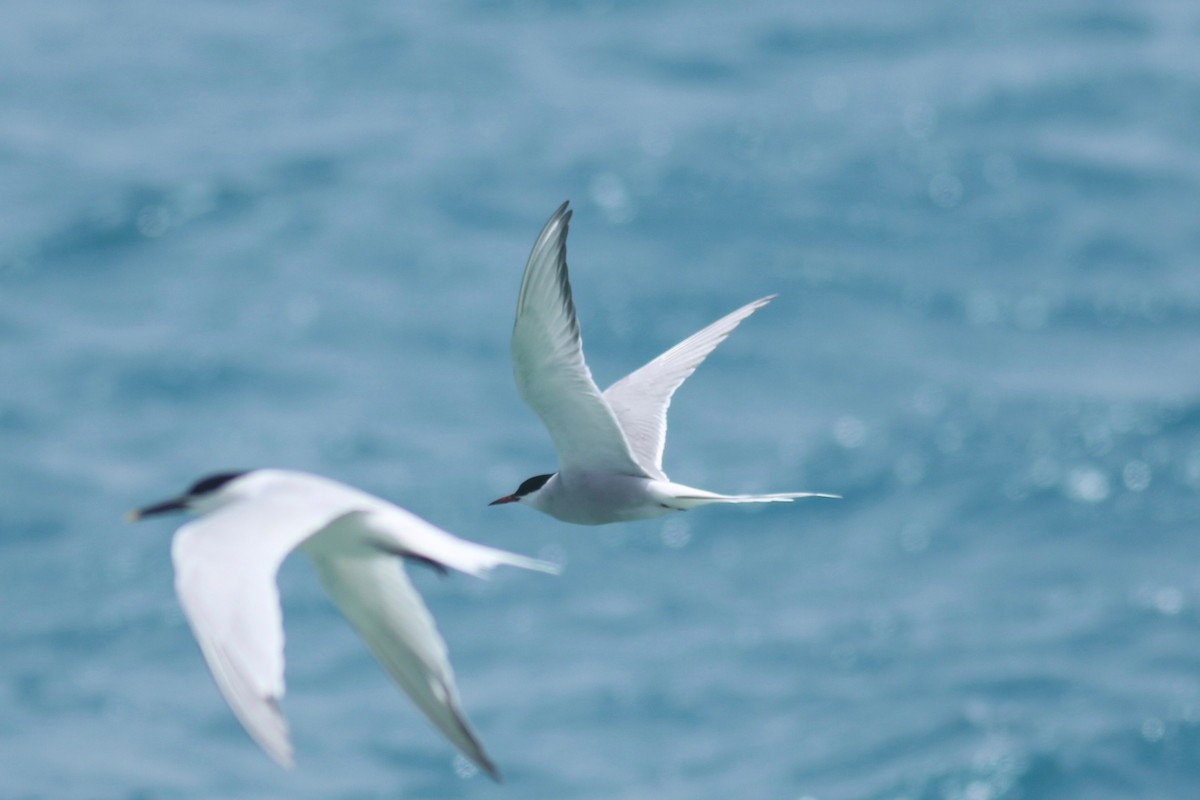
x=225, y=567
x=589, y=497
x=610, y=445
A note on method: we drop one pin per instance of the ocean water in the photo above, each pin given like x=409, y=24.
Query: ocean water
x=290, y=234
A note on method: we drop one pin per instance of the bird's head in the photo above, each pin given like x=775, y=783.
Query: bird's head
x=527, y=490
x=204, y=495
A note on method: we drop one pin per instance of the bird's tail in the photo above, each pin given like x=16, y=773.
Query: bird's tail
x=496, y=557
x=687, y=497
x=437, y=548
x=479, y=559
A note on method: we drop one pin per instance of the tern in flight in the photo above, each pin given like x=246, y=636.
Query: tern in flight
x=610, y=444
x=225, y=567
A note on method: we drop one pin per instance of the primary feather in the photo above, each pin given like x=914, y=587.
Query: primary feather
x=641, y=399
x=552, y=376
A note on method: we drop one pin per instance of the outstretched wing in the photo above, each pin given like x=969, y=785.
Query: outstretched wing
x=225, y=567
x=552, y=376
x=380, y=602
x=354, y=557
x=640, y=400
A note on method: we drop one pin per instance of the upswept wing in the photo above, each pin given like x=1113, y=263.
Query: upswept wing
x=552, y=376
x=640, y=400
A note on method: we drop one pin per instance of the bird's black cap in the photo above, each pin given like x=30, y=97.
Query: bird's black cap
x=532, y=484
x=201, y=487
x=213, y=482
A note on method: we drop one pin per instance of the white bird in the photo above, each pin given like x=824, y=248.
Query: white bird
x=610, y=445
x=225, y=567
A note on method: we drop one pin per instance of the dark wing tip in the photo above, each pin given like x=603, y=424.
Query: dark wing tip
x=550, y=245
x=563, y=274
x=475, y=752
x=561, y=216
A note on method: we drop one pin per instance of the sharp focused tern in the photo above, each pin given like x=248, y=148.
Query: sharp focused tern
x=225, y=567
x=610, y=444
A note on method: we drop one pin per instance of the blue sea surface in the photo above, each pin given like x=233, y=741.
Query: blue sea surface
x=290, y=234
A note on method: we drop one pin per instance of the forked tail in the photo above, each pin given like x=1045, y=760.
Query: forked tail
x=686, y=497
x=407, y=535
x=479, y=560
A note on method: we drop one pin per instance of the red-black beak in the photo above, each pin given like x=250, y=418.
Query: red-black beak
x=508, y=498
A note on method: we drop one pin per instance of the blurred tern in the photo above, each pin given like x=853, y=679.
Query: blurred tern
x=225, y=567
x=610, y=444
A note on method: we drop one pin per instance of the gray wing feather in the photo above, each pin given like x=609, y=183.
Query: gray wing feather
x=375, y=595
x=640, y=400
x=552, y=376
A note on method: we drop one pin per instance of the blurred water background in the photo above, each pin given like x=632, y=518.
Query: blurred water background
x=291, y=234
